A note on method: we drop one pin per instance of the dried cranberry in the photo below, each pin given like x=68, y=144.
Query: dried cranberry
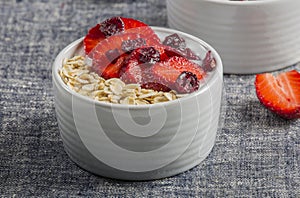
x=186, y=52
x=148, y=55
x=129, y=45
x=170, y=52
x=209, y=62
x=112, y=26
x=187, y=82
x=189, y=54
x=174, y=40
x=112, y=55
x=155, y=86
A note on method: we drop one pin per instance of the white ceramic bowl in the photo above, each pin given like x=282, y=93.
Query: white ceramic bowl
x=250, y=36
x=139, y=142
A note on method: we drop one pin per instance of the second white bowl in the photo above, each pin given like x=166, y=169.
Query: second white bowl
x=250, y=36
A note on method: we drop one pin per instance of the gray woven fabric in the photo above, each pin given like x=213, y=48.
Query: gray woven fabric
x=256, y=153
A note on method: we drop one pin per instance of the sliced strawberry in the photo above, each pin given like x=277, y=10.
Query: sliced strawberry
x=116, y=25
x=100, y=53
x=167, y=72
x=136, y=26
x=101, y=31
x=280, y=94
x=137, y=73
x=182, y=64
x=142, y=74
x=156, y=86
x=93, y=37
x=111, y=48
x=167, y=52
x=113, y=69
x=132, y=23
x=137, y=67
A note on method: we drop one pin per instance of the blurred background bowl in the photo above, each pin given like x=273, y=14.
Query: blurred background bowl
x=250, y=36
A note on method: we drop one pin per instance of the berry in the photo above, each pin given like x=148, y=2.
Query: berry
x=129, y=45
x=148, y=55
x=168, y=71
x=130, y=50
x=113, y=69
x=134, y=70
x=187, y=82
x=182, y=64
x=115, y=26
x=209, y=62
x=184, y=52
x=137, y=66
x=112, y=26
x=165, y=74
x=112, y=55
x=175, y=41
x=102, y=55
x=189, y=54
x=280, y=94
x=93, y=37
x=156, y=86
x=109, y=49
x=176, y=46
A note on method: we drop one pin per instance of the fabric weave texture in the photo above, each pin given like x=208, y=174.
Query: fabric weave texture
x=256, y=154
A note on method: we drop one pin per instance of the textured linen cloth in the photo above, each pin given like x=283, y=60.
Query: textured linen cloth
x=256, y=153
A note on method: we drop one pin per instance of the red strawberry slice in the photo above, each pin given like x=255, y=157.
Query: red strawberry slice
x=181, y=64
x=137, y=67
x=136, y=26
x=113, y=69
x=167, y=72
x=93, y=37
x=109, y=49
x=141, y=73
x=101, y=54
x=137, y=73
x=132, y=23
x=280, y=94
x=156, y=86
x=113, y=26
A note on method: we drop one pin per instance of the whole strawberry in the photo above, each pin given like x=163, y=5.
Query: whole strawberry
x=280, y=94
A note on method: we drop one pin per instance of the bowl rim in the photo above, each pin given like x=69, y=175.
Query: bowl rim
x=75, y=44
x=241, y=3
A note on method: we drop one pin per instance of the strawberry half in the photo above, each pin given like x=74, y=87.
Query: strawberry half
x=113, y=26
x=280, y=94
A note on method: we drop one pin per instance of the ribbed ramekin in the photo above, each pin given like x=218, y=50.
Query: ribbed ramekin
x=250, y=36
x=139, y=142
